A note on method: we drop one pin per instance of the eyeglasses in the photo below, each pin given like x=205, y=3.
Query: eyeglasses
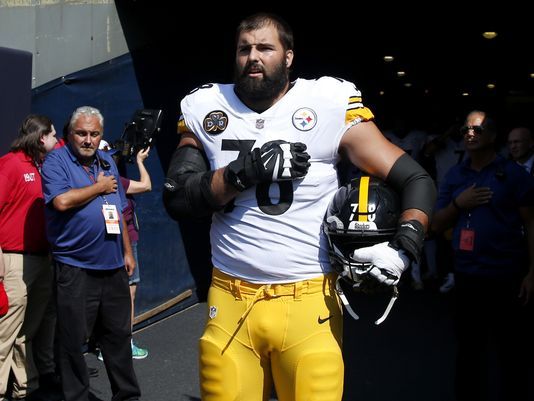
x=477, y=129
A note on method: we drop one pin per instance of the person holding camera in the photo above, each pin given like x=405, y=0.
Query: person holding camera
x=132, y=187
x=92, y=255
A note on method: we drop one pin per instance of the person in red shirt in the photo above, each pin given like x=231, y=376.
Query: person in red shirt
x=4, y=303
x=27, y=276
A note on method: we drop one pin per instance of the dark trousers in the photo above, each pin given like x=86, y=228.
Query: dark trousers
x=94, y=301
x=492, y=339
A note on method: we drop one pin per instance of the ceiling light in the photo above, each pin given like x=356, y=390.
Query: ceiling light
x=401, y=73
x=381, y=93
x=407, y=84
x=490, y=86
x=388, y=59
x=489, y=35
x=532, y=75
x=465, y=94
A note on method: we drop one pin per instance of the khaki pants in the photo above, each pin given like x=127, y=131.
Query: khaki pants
x=28, y=284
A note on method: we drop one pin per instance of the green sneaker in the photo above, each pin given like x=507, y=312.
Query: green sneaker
x=138, y=353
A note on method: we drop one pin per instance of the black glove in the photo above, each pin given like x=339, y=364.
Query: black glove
x=275, y=161
x=410, y=237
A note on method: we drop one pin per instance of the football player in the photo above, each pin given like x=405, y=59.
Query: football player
x=260, y=154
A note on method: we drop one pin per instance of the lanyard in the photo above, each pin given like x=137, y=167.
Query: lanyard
x=468, y=219
x=38, y=166
x=92, y=179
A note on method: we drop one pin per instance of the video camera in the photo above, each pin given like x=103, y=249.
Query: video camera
x=139, y=133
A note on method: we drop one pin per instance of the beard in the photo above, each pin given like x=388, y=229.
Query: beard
x=261, y=89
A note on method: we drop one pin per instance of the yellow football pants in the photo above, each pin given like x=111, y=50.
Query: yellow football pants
x=256, y=335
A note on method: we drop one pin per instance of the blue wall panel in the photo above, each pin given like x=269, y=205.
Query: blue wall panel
x=15, y=93
x=112, y=88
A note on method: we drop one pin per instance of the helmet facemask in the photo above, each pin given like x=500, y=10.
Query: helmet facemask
x=362, y=214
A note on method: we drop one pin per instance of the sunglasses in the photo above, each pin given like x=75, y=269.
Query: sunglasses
x=477, y=129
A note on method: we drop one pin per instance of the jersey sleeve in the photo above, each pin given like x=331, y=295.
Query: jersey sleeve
x=182, y=127
x=339, y=90
x=356, y=110
x=189, y=122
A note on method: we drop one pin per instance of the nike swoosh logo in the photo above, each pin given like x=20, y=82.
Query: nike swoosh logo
x=320, y=320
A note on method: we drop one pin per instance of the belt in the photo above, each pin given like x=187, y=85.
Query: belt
x=241, y=288
x=252, y=293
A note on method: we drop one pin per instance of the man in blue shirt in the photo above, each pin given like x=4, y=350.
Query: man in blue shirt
x=93, y=257
x=489, y=203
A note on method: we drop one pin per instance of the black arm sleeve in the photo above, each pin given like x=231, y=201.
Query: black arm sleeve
x=187, y=189
x=417, y=191
x=408, y=178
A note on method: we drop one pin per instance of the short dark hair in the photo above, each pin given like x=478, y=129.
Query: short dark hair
x=259, y=20
x=32, y=129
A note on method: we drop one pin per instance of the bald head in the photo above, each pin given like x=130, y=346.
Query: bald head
x=520, y=144
x=479, y=133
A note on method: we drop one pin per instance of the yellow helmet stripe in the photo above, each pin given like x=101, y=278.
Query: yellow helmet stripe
x=363, y=199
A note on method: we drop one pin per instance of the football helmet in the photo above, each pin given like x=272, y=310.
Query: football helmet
x=363, y=213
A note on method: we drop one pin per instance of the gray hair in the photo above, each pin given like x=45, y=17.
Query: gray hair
x=86, y=111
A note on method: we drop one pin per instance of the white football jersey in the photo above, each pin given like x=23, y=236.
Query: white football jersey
x=271, y=233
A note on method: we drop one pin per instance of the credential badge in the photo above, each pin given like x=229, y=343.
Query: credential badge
x=215, y=122
x=304, y=119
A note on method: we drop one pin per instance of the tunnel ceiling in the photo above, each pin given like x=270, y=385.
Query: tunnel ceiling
x=448, y=65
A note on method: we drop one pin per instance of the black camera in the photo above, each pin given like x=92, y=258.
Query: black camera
x=139, y=133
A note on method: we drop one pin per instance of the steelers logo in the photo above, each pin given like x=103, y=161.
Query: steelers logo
x=304, y=119
x=215, y=122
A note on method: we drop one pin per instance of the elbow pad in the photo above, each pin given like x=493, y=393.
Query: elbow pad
x=187, y=189
x=411, y=180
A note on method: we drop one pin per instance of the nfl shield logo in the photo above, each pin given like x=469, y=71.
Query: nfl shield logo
x=260, y=123
x=213, y=312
